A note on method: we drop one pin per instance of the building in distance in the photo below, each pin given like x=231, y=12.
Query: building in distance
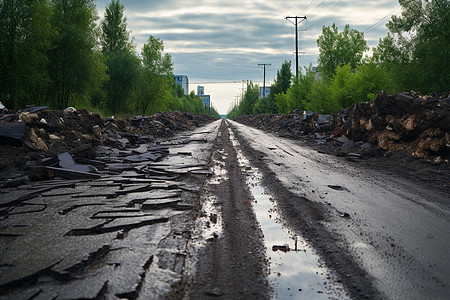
x=206, y=99
x=183, y=80
x=261, y=91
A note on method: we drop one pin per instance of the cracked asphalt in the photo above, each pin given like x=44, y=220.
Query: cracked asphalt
x=183, y=227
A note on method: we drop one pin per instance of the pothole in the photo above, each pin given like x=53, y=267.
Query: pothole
x=295, y=270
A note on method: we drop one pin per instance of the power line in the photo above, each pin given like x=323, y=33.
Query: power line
x=308, y=5
x=319, y=4
x=378, y=22
x=324, y=15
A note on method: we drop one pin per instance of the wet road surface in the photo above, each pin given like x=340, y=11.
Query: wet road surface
x=396, y=231
x=194, y=225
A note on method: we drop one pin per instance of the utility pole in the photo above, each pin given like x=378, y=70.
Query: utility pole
x=264, y=82
x=296, y=39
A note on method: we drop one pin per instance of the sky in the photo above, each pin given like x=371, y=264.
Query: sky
x=218, y=44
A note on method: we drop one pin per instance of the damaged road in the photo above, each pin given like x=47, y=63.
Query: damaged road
x=383, y=235
x=180, y=218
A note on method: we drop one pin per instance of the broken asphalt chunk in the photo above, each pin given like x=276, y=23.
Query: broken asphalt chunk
x=71, y=174
x=12, y=133
x=143, y=157
x=66, y=162
x=34, y=109
x=101, y=229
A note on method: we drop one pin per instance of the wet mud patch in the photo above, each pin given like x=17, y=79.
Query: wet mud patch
x=232, y=264
x=308, y=219
x=295, y=270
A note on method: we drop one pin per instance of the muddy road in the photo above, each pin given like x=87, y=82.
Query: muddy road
x=230, y=212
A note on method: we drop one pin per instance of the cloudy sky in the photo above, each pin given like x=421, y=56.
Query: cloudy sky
x=219, y=43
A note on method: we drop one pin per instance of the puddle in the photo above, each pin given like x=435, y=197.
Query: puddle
x=295, y=271
x=210, y=224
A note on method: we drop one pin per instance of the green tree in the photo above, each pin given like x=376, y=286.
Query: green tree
x=417, y=49
x=74, y=62
x=340, y=48
x=157, y=77
x=282, y=103
x=124, y=66
x=300, y=89
x=25, y=38
x=251, y=97
x=320, y=98
x=296, y=96
x=283, y=81
x=343, y=86
x=370, y=79
x=281, y=84
x=115, y=36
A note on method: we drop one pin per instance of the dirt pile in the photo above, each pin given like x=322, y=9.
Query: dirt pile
x=27, y=137
x=410, y=122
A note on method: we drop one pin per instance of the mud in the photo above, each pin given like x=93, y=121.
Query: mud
x=233, y=266
x=306, y=216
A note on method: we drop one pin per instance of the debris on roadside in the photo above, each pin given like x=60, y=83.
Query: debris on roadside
x=41, y=142
x=418, y=125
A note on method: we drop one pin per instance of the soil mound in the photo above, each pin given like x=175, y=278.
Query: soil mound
x=409, y=122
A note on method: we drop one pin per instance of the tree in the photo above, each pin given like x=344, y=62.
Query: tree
x=296, y=96
x=340, y=48
x=123, y=63
x=25, y=38
x=115, y=36
x=300, y=89
x=123, y=70
x=343, y=86
x=157, y=77
x=417, y=49
x=284, y=78
x=320, y=98
x=74, y=62
x=281, y=101
x=280, y=85
x=370, y=79
x=251, y=96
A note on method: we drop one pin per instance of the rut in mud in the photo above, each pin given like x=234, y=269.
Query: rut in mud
x=306, y=218
x=234, y=265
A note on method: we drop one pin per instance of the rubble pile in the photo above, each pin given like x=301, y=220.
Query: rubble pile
x=410, y=122
x=35, y=134
x=420, y=125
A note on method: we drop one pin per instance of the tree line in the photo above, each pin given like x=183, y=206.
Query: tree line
x=415, y=55
x=57, y=53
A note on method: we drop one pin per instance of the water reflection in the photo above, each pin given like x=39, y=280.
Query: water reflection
x=295, y=270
